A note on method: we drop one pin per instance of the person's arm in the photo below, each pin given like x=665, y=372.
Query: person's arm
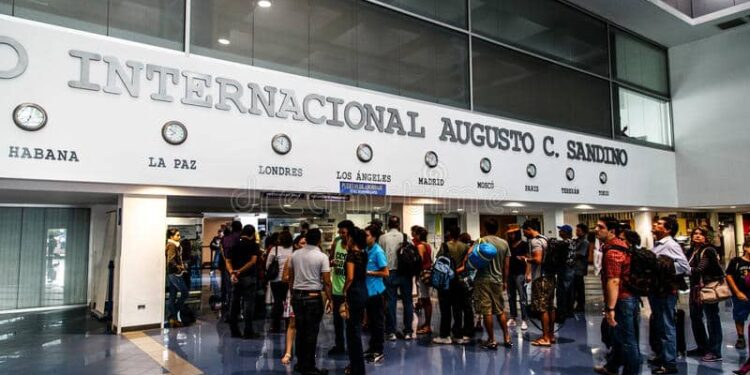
x=286, y=275
x=462, y=267
x=381, y=262
x=422, y=250
x=350, y=269
x=327, y=285
x=172, y=256
x=506, y=271
x=289, y=272
x=536, y=258
x=270, y=256
x=253, y=260
x=613, y=289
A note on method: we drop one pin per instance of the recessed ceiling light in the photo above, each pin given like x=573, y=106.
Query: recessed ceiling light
x=513, y=204
x=514, y=211
x=460, y=209
x=732, y=206
x=264, y=4
x=287, y=205
x=223, y=41
x=584, y=207
x=643, y=209
x=376, y=208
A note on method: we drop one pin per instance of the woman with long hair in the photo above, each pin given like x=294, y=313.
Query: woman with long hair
x=705, y=269
x=291, y=328
x=419, y=238
x=355, y=292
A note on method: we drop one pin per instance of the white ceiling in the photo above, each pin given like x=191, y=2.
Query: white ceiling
x=659, y=22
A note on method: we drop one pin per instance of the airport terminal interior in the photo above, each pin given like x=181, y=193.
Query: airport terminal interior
x=410, y=158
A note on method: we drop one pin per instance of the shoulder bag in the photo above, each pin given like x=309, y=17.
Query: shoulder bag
x=715, y=291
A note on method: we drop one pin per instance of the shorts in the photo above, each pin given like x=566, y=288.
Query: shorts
x=488, y=298
x=543, y=294
x=740, y=309
x=424, y=289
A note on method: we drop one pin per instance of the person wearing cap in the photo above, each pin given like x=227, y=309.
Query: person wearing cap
x=565, y=276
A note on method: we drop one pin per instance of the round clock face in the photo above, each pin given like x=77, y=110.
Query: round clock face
x=364, y=153
x=531, y=170
x=281, y=144
x=431, y=159
x=603, y=177
x=174, y=132
x=29, y=116
x=570, y=174
x=485, y=165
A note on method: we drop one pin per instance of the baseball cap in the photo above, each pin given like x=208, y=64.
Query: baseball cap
x=565, y=228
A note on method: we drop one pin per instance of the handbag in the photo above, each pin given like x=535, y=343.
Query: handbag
x=272, y=272
x=714, y=291
x=344, y=311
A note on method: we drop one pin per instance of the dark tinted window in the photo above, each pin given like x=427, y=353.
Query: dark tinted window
x=452, y=12
x=6, y=6
x=640, y=63
x=515, y=85
x=156, y=22
x=76, y=14
x=546, y=27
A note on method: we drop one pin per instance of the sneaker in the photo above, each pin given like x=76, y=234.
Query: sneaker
x=511, y=322
x=711, y=357
x=524, y=326
x=442, y=340
x=409, y=336
x=462, y=340
x=740, y=344
x=375, y=357
x=391, y=337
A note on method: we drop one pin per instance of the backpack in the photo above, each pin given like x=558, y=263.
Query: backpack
x=272, y=272
x=442, y=273
x=186, y=315
x=556, y=256
x=645, y=274
x=409, y=260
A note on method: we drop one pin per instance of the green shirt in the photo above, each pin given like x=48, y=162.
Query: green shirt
x=455, y=250
x=494, y=271
x=338, y=276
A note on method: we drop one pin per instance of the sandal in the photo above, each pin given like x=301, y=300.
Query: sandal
x=286, y=359
x=424, y=331
x=541, y=342
x=489, y=345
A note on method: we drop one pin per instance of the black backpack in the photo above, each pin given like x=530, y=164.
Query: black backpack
x=645, y=273
x=272, y=272
x=409, y=260
x=556, y=256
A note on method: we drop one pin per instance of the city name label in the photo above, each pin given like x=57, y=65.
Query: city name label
x=36, y=153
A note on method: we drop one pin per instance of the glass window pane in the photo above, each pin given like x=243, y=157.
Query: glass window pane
x=546, y=27
x=82, y=15
x=644, y=118
x=10, y=247
x=452, y=12
x=516, y=85
x=333, y=40
x=222, y=30
x=6, y=6
x=282, y=36
x=155, y=22
x=640, y=63
x=378, y=43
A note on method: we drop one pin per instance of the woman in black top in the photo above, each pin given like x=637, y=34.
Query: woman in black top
x=705, y=269
x=517, y=275
x=242, y=266
x=355, y=292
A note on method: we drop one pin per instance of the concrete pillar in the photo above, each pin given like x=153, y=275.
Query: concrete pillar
x=643, y=224
x=411, y=214
x=739, y=233
x=552, y=219
x=140, y=264
x=473, y=226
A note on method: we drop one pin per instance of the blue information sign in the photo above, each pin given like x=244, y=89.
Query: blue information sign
x=361, y=188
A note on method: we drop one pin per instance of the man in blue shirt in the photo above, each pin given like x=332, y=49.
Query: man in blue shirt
x=377, y=271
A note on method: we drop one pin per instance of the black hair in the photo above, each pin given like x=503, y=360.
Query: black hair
x=394, y=222
x=611, y=224
x=227, y=231
x=453, y=233
x=171, y=232
x=248, y=231
x=298, y=239
x=421, y=232
x=313, y=236
x=491, y=226
x=374, y=230
x=348, y=224
x=285, y=239
x=305, y=225
x=671, y=225
x=633, y=238
x=583, y=227
x=357, y=236
x=532, y=224
x=513, y=236
x=466, y=238
x=236, y=226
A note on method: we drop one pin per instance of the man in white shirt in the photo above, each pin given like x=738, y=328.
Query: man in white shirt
x=391, y=242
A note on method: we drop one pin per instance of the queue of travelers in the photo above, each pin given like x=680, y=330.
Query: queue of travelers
x=365, y=273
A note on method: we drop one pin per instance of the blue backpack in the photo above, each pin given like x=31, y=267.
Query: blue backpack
x=442, y=273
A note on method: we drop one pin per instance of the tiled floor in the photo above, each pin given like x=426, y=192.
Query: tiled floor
x=67, y=342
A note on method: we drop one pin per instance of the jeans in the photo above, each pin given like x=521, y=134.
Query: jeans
x=176, y=284
x=456, y=304
x=243, y=295
x=565, y=292
x=579, y=292
x=339, y=325
x=517, y=287
x=279, y=290
x=393, y=284
x=375, y=318
x=711, y=342
x=354, y=335
x=308, y=311
x=226, y=291
x=664, y=342
x=625, y=350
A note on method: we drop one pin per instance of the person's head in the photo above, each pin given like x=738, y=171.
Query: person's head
x=699, y=236
x=236, y=226
x=664, y=226
x=304, y=227
x=491, y=226
x=465, y=238
x=581, y=230
x=531, y=228
x=357, y=239
x=313, y=237
x=272, y=240
x=249, y=232
x=220, y=232
x=632, y=237
x=299, y=242
x=394, y=222
x=419, y=233
x=227, y=231
x=173, y=234
x=746, y=249
x=607, y=228
x=565, y=231
x=372, y=232
x=345, y=226
x=285, y=239
x=453, y=233
x=513, y=235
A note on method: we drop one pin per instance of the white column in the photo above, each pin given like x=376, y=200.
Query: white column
x=571, y=218
x=552, y=219
x=739, y=233
x=140, y=264
x=643, y=223
x=473, y=226
x=411, y=214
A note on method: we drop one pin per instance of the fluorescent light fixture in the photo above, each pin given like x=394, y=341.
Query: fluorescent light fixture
x=264, y=4
x=460, y=209
x=584, y=207
x=514, y=204
x=376, y=208
x=732, y=206
x=514, y=211
x=224, y=41
x=644, y=209
x=287, y=205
